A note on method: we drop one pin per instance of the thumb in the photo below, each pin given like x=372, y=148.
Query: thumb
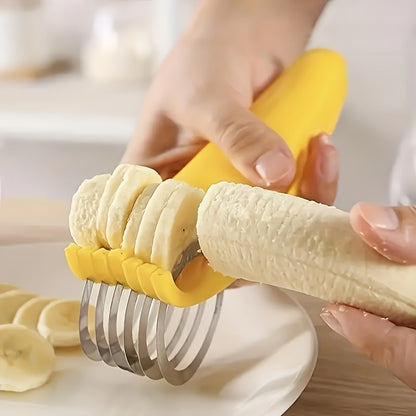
x=393, y=347
x=258, y=152
x=389, y=230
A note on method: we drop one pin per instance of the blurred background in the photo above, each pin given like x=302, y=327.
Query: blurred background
x=73, y=75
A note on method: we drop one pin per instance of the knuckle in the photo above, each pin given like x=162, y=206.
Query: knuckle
x=397, y=350
x=235, y=135
x=382, y=353
x=408, y=348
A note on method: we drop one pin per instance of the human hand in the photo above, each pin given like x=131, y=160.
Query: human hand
x=391, y=232
x=231, y=52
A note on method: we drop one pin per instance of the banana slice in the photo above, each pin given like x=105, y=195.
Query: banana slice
x=151, y=215
x=135, y=218
x=28, y=314
x=83, y=214
x=176, y=228
x=26, y=359
x=134, y=181
x=5, y=287
x=58, y=323
x=10, y=302
x=122, y=178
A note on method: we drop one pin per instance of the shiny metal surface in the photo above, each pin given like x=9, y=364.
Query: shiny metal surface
x=130, y=329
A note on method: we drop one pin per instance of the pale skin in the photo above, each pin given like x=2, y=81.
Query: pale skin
x=231, y=51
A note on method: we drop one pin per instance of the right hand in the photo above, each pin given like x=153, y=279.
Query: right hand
x=392, y=232
x=231, y=52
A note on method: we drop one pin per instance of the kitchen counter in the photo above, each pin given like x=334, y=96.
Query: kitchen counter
x=343, y=384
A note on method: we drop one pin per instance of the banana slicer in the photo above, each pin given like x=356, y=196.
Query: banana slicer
x=160, y=324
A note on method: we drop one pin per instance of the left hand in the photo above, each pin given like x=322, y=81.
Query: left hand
x=391, y=232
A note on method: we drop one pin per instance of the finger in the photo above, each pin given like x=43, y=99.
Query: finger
x=390, y=231
x=161, y=145
x=169, y=163
x=321, y=171
x=390, y=346
x=154, y=135
x=258, y=152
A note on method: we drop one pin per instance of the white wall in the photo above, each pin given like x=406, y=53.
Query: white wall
x=375, y=38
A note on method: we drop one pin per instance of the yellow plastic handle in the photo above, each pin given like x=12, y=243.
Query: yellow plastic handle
x=302, y=102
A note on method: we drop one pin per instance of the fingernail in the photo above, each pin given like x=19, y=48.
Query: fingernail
x=325, y=139
x=328, y=161
x=384, y=218
x=275, y=167
x=332, y=322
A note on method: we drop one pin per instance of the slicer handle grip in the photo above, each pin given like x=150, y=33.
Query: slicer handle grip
x=305, y=100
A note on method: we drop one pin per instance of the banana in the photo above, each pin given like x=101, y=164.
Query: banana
x=28, y=314
x=5, y=287
x=58, y=323
x=163, y=246
x=83, y=213
x=134, y=181
x=135, y=218
x=121, y=190
x=152, y=212
x=176, y=227
x=107, y=197
x=10, y=302
x=286, y=241
x=26, y=359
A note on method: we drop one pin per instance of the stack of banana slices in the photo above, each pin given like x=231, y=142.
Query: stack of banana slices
x=30, y=327
x=134, y=210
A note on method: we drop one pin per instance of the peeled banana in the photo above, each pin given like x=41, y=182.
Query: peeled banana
x=26, y=359
x=283, y=240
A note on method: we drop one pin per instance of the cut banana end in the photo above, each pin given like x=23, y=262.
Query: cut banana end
x=5, y=287
x=28, y=314
x=134, y=181
x=10, y=302
x=83, y=214
x=176, y=228
x=26, y=359
x=58, y=323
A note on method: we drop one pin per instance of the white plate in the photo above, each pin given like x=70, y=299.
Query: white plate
x=262, y=356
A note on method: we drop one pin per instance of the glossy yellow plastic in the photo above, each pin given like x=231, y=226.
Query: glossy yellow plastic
x=302, y=102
